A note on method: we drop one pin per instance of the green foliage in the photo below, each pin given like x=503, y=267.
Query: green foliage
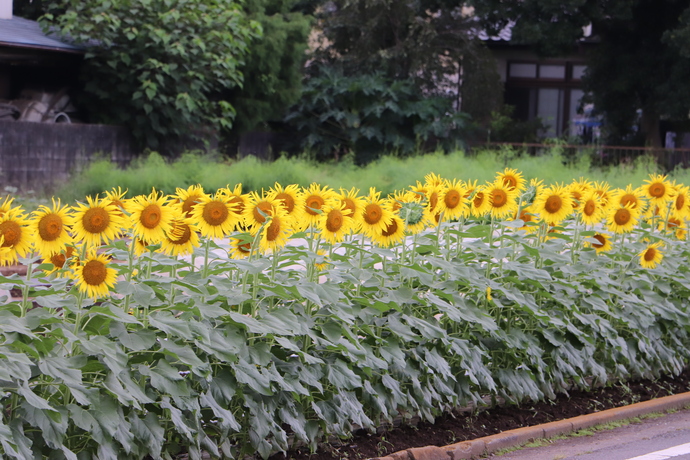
x=157, y=66
x=503, y=128
x=369, y=114
x=273, y=67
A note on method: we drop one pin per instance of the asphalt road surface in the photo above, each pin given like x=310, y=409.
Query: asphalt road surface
x=666, y=437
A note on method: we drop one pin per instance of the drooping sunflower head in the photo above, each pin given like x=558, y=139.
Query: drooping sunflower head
x=61, y=259
x=151, y=217
x=601, y=242
x=622, y=219
x=335, y=223
x=182, y=237
x=98, y=221
x=93, y=276
x=502, y=199
x=214, y=216
x=186, y=199
x=452, y=202
x=16, y=235
x=512, y=179
x=413, y=213
x=50, y=227
x=651, y=256
x=554, y=204
x=657, y=189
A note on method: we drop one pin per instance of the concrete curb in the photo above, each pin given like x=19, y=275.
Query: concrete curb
x=466, y=450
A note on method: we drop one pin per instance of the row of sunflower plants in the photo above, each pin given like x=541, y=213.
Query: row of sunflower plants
x=242, y=324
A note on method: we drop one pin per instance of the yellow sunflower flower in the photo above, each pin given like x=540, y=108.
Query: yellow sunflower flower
x=316, y=198
x=651, y=256
x=334, y=223
x=634, y=197
x=603, y=190
x=622, y=219
x=676, y=226
x=394, y=233
x=214, y=216
x=50, y=227
x=601, y=242
x=412, y=211
x=480, y=203
x=258, y=210
x=151, y=217
x=680, y=207
x=240, y=248
x=187, y=198
x=512, y=179
x=527, y=215
x=554, y=204
x=578, y=190
x=291, y=199
x=4, y=253
x=99, y=221
x=237, y=199
x=502, y=199
x=93, y=276
x=59, y=259
x=276, y=232
x=376, y=215
x=452, y=202
x=591, y=210
x=181, y=239
x=657, y=189
x=141, y=246
x=16, y=235
x=354, y=205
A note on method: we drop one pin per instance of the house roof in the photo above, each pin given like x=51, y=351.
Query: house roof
x=24, y=33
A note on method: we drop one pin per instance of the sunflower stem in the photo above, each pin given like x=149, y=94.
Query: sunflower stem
x=25, y=290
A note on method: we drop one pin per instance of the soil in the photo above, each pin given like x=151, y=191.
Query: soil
x=452, y=428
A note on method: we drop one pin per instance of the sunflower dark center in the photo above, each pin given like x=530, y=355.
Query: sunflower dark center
x=334, y=221
x=215, y=213
x=94, y=273
x=96, y=220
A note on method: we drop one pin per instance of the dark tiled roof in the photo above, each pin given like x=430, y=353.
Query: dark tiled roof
x=25, y=33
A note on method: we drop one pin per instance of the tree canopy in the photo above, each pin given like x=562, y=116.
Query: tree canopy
x=158, y=66
x=637, y=72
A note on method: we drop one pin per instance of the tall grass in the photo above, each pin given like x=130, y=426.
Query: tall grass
x=387, y=174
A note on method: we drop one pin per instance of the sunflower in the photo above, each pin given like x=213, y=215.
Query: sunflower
x=187, y=199
x=59, y=259
x=93, y=276
x=480, y=203
x=676, y=226
x=452, y=202
x=240, y=248
x=502, y=199
x=651, y=256
x=657, y=189
x=433, y=180
x=512, y=179
x=276, y=232
x=16, y=235
x=50, y=227
x=258, y=210
x=578, y=190
x=291, y=199
x=141, y=246
x=214, y=216
x=376, y=214
x=623, y=197
x=315, y=198
x=354, y=205
x=622, y=219
x=602, y=189
x=527, y=215
x=411, y=210
x=554, y=204
x=97, y=222
x=117, y=197
x=4, y=253
x=601, y=242
x=181, y=239
x=591, y=211
x=394, y=233
x=680, y=207
x=237, y=199
x=151, y=217
x=6, y=205
x=334, y=223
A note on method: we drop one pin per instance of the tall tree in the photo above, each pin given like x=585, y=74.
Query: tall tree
x=639, y=63
x=158, y=66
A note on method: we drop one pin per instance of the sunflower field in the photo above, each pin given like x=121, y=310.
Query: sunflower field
x=242, y=324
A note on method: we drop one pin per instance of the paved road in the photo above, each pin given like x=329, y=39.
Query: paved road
x=648, y=440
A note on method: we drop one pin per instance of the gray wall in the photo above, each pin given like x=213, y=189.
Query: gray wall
x=36, y=156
